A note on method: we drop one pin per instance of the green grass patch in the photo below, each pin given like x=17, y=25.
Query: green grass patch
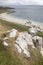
x=40, y=34
x=36, y=57
x=3, y=10
x=6, y=58
x=14, y=25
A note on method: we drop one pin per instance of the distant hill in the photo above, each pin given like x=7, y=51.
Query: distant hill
x=1, y=7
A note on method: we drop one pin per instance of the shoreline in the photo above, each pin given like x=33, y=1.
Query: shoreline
x=7, y=17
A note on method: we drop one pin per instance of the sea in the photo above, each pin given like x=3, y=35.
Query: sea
x=29, y=12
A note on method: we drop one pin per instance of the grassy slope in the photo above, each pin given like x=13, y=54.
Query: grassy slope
x=40, y=34
x=19, y=27
x=16, y=26
x=6, y=56
x=2, y=10
x=5, y=9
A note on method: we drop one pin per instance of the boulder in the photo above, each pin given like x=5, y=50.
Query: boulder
x=13, y=33
x=5, y=43
x=38, y=41
x=32, y=30
x=5, y=38
x=26, y=53
x=23, y=41
x=17, y=48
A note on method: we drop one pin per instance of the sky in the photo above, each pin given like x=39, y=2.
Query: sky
x=21, y=2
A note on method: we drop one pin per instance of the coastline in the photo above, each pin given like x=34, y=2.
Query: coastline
x=7, y=17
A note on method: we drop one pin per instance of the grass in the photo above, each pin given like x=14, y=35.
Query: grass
x=2, y=10
x=40, y=34
x=6, y=9
x=19, y=27
x=36, y=58
x=6, y=58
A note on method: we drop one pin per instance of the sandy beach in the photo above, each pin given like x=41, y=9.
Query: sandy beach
x=5, y=16
x=9, y=18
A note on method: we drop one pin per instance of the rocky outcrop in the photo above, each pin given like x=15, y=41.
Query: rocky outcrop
x=23, y=41
x=13, y=33
x=32, y=30
x=38, y=42
x=5, y=44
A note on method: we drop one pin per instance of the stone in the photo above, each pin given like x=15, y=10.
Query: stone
x=38, y=41
x=13, y=33
x=23, y=41
x=17, y=48
x=5, y=43
x=32, y=30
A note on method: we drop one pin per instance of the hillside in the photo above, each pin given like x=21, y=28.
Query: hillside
x=8, y=55
x=5, y=9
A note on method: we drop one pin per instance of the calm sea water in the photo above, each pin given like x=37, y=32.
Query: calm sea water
x=34, y=13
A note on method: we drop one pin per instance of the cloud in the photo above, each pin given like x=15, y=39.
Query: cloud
x=23, y=2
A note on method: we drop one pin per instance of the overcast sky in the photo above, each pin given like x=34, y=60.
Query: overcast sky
x=21, y=2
